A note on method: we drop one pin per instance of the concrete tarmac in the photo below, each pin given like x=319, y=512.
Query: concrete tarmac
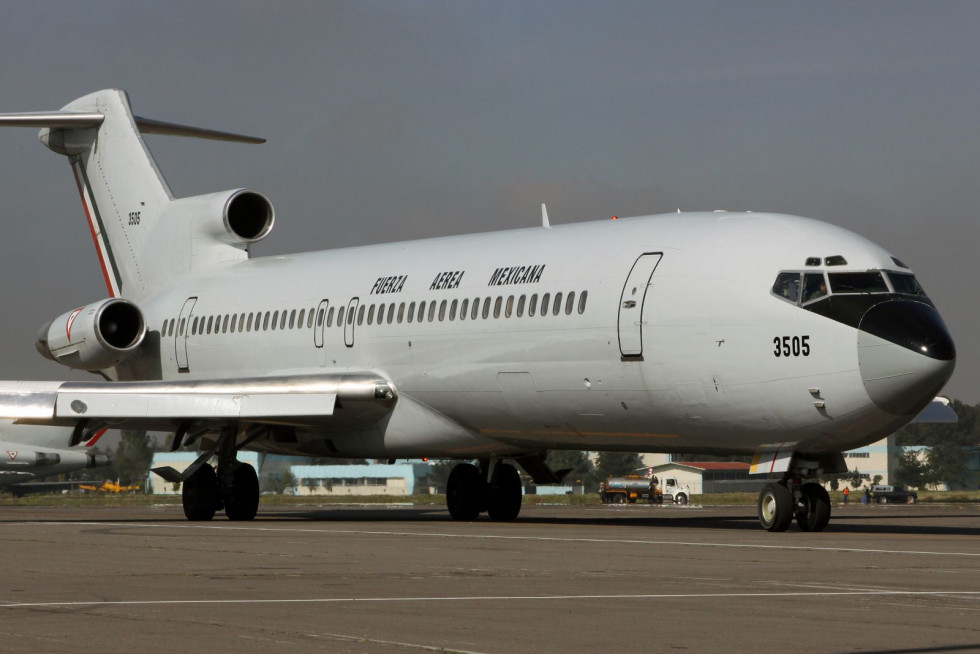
x=601, y=580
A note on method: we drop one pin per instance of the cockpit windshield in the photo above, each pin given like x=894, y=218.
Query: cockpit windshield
x=802, y=287
x=858, y=282
x=905, y=283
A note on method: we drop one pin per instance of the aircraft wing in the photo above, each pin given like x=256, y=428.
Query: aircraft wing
x=315, y=400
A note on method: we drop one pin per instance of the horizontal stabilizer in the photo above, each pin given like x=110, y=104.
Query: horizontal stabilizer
x=80, y=120
x=69, y=119
x=148, y=126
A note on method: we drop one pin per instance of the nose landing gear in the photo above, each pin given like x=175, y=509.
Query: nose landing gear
x=780, y=502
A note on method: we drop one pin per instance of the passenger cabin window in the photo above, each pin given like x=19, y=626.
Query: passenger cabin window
x=581, y=301
x=858, y=282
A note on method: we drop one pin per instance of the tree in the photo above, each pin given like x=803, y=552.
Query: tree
x=133, y=456
x=615, y=464
x=911, y=471
x=855, y=478
x=286, y=482
x=946, y=461
x=947, y=464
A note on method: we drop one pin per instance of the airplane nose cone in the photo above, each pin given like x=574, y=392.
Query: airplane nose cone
x=905, y=355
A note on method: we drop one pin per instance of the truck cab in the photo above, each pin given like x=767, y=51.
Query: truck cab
x=674, y=492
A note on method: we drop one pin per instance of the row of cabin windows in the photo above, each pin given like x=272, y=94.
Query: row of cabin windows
x=239, y=322
x=381, y=313
x=461, y=309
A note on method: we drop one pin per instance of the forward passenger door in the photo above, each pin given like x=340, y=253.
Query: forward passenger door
x=631, y=305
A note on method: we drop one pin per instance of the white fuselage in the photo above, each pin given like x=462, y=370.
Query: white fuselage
x=690, y=365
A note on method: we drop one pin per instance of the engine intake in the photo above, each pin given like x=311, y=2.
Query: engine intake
x=93, y=337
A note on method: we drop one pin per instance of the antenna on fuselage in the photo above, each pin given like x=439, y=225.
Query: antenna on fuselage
x=544, y=217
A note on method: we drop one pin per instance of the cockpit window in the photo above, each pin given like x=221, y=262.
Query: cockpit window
x=814, y=287
x=787, y=286
x=858, y=282
x=905, y=283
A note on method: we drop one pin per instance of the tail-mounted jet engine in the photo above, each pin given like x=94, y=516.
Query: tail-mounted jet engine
x=239, y=217
x=93, y=337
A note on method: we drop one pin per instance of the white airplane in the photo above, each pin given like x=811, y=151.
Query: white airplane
x=29, y=452
x=748, y=333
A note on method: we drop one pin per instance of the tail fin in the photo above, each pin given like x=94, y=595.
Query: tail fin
x=124, y=195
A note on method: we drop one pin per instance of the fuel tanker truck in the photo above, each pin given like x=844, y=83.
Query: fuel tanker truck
x=620, y=490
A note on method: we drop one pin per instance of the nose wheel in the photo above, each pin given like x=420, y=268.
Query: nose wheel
x=781, y=502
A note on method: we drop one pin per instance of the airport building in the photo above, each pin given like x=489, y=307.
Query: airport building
x=365, y=479
x=368, y=479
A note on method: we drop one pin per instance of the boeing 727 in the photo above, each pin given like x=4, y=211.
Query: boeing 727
x=771, y=335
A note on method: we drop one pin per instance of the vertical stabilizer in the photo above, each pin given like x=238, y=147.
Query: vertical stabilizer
x=121, y=189
x=142, y=235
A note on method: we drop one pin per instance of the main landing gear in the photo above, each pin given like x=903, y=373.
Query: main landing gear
x=781, y=502
x=494, y=487
x=234, y=487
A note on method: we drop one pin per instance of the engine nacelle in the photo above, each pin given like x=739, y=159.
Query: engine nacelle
x=240, y=217
x=93, y=337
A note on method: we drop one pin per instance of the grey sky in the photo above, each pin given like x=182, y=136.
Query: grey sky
x=395, y=120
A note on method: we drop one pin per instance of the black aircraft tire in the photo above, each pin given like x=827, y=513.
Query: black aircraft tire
x=464, y=492
x=817, y=514
x=504, y=495
x=242, y=503
x=775, y=507
x=199, y=494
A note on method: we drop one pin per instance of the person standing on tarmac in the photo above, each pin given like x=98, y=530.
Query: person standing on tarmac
x=847, y=492
x=867, y=494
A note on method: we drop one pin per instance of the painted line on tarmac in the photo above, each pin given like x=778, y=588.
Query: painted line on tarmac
x=549, y=539
x=500, y=598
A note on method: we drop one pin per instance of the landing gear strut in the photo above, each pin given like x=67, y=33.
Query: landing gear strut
x=493, y=487
x=234, y=487
x=781, y=502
